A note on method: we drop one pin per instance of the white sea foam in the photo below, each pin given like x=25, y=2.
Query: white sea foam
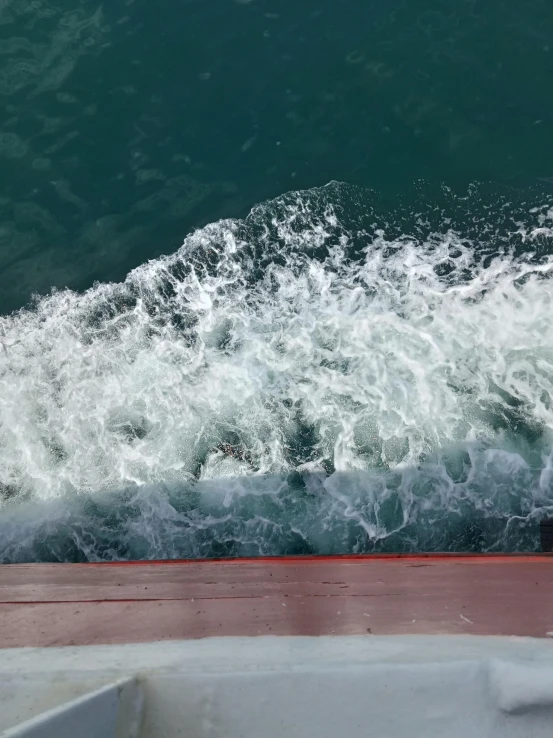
x=289, y=342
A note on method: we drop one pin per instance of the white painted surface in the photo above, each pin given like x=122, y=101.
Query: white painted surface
x=113, y=711
x=436, y=687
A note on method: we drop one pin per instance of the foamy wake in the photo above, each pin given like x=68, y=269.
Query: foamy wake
x=400, y=379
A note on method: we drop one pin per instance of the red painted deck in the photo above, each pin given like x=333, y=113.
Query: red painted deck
x=68, y=604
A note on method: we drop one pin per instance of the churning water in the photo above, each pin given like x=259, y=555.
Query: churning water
x=328, y=375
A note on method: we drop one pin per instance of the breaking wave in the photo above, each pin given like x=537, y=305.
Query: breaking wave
x=329, y=375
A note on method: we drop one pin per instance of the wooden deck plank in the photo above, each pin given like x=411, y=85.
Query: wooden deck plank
x=46, y=605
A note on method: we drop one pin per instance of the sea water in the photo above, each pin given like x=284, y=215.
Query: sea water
x=275, y=277
x=316, y=378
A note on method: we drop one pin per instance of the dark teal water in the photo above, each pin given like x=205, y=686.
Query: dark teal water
x=126, y=124
x=260, y=350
